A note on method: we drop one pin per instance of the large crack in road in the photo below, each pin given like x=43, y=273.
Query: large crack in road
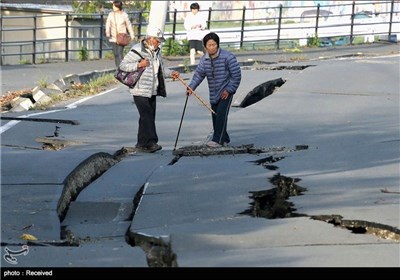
x=271, y=203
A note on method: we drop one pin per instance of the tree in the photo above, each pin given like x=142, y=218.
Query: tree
x=91, y=7
x=98, y=6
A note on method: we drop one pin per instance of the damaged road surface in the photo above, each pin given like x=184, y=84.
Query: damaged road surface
x=329, y=142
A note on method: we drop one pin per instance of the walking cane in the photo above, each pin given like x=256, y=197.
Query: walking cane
x=195, y=94
x=180, y=125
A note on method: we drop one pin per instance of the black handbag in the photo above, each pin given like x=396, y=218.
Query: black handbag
x=129, y=79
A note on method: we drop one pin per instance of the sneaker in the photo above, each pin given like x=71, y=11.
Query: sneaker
x=213, y=144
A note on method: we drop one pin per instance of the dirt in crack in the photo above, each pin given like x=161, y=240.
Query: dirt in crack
x=273, y=204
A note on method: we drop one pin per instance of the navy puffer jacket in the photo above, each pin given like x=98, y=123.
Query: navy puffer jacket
x=222, y=72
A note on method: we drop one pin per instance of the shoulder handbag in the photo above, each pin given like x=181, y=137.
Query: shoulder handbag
x=129, y=78
x=122, y=39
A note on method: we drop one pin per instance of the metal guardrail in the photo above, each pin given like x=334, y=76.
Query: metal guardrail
x=65, y=37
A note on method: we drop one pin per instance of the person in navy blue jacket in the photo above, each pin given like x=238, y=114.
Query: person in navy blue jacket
x=223, y=75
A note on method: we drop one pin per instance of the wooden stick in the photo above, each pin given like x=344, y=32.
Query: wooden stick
x=195, y=94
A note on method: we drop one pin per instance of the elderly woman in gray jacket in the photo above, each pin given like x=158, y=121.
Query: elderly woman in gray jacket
x=150, y=85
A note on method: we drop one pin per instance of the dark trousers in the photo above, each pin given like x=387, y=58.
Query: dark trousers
x=220, y=120
x=118, y=54
x=147, y=134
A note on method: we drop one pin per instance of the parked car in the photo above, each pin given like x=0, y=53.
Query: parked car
x=342, y=41
x=325, y=42
x=362, y=15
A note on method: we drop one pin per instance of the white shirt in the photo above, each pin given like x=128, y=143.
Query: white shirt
x=195, y=33
x=156, y=66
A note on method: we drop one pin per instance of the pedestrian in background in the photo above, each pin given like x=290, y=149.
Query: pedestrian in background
x=118, y=22
x=223, y=75
x=195, y=24
x=150, y=85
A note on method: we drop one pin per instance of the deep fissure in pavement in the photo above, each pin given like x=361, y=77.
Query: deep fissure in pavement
x=204, y=150
x=361, y=227
x=266, y=162
x=157, y=249
x=260, y=92
x=266, y=89
x=272, y=203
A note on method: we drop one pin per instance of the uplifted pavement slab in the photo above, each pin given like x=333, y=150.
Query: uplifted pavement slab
x=196, y=189
x=123, y=180
x=105, y=207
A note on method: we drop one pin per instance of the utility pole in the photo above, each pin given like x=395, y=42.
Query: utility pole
x=158, y=14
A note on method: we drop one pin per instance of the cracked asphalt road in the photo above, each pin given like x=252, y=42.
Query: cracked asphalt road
x=344, y=109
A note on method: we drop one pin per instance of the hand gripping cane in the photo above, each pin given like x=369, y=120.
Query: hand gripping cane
x=195, y=94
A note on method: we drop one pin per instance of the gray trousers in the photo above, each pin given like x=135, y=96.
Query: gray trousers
x=118, y=54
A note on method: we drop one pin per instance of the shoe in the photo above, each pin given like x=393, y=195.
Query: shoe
x=140, y=148
x=213, y=144
x=153, y=148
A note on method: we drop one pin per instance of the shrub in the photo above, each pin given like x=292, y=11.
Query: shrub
x=83, y=54
x=173, y=47
x=313, y=41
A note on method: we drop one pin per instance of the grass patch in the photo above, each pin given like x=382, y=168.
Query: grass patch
x=80, y=90
x=25, y=61
x=109, y=55
x=43, y=82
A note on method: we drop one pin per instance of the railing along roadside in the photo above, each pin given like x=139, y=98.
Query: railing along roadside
x=66, y=37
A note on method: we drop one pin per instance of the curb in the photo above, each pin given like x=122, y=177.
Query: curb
x=41, y=95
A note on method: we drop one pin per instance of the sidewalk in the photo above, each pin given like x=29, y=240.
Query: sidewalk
x=18, y=77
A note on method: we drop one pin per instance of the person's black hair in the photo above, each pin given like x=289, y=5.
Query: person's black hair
x=211, y=36
x=118, y=4
x=195, y=6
